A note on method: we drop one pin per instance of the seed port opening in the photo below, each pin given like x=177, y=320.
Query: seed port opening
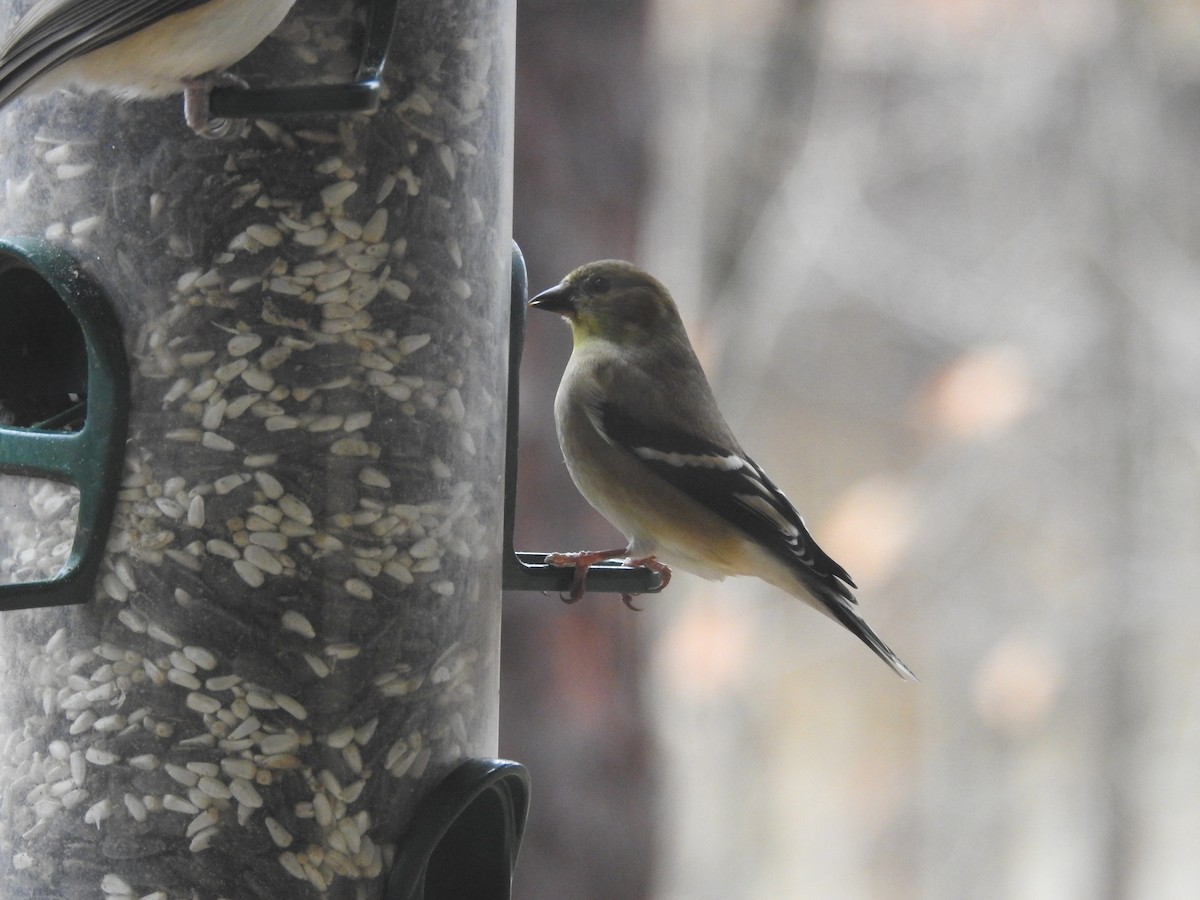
x=43, y=356
x=464, y=835
x=64, y=413
x=468, y=861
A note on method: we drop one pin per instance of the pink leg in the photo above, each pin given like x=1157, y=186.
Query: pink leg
x=582, y=561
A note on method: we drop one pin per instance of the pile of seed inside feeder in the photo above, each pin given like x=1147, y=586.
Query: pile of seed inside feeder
x=37, y=528
x=290, y=630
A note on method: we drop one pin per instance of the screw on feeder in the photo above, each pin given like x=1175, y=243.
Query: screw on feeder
x=526, y=570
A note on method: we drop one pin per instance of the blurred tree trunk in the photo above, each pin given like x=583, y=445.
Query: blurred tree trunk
x=571, y=699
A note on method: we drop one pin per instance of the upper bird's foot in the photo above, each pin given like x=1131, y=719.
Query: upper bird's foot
x=196, y=109
x=581, y=562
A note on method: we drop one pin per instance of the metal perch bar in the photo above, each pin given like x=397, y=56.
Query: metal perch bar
x=361, y=95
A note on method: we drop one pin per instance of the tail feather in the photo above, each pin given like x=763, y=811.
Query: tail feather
x=829, y=594
x=840, y=610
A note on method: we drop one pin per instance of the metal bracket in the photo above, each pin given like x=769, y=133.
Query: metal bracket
x=361, y=95
x=527, y=571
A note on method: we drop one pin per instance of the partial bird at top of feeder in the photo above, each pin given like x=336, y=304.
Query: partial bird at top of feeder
x=136, y=49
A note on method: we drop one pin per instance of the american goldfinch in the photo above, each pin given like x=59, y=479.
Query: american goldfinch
x=135, y=48
x=647, y=447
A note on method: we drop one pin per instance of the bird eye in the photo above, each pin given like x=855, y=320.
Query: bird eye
x=597, y=284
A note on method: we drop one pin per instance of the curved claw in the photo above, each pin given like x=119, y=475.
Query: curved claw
x=578, y=584
x=661, y=569
x=627, y=599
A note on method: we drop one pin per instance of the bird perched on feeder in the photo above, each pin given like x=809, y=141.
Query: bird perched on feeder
x=135, y=48
x=648, y=448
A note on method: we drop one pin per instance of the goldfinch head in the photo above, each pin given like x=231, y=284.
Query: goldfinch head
x=612, y=300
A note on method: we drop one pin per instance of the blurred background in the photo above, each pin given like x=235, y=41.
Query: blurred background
x=941, y=259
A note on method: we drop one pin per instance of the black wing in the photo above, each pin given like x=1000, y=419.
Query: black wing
x=56, y=31
x=729, y=483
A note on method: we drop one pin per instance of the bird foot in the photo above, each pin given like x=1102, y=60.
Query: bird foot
x=661, y=569
x=581, y=561
x=585, y=559
x=197, y=112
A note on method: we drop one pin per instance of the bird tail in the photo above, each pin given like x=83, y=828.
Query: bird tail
x=828, y=593
x=841, y=610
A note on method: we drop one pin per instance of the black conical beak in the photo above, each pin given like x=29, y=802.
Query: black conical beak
x=559, y=299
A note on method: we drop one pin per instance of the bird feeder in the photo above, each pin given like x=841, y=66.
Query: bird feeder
x=251, y=472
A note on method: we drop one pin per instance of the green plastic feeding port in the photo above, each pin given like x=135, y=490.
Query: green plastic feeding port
x=64, y=404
